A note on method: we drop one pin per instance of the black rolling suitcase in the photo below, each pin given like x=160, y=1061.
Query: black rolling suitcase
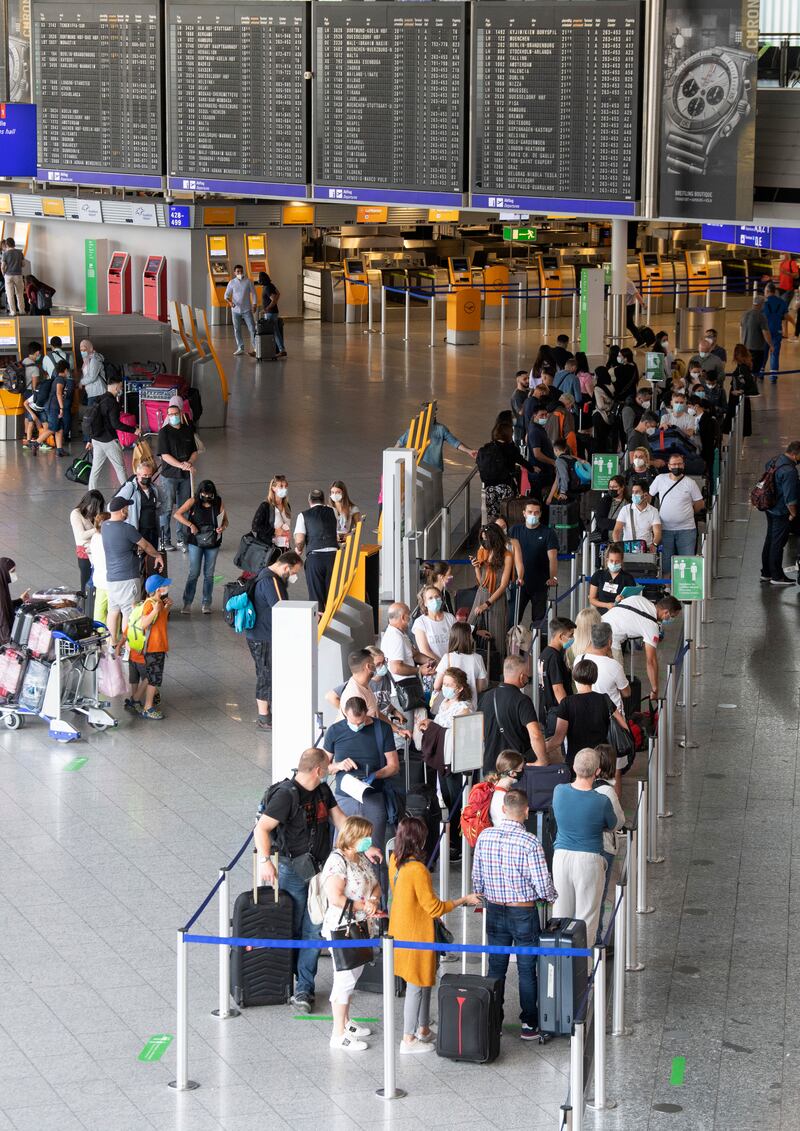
x=470, y=1018
x=261, y=975
x=562, y=981
x=565, y=520
x=633, y=703
x=266, y=349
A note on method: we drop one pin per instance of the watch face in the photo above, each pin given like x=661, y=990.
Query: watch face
x=705, y=91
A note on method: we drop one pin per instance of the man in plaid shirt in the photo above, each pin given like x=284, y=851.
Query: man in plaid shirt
x=510, y=871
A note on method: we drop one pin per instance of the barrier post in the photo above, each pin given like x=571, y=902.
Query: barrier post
x=519, y=305
x=369, y=308
x=663, y=812
x=182, y=1083
x=573, y=581
x=383, y=310
x=600, y=1100
x=618, y=999
x=502, y=318
x=408, y=315
x=652, y=808
x=536, y=650
x=565, y=1117
x=688, y=691
x=632, y=962
x=389, y=1091
x=576, y=1081
x=433, y=318
x=642, y=831
x=724, y=292
x=649, y=305
x=466, y=878
x=224, y=930
x=669, y=719
x=546, y=312
x=574, y=323
x=444, y=860
x=708, y=296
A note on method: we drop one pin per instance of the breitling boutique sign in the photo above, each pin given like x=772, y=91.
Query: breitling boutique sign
x=708, y=119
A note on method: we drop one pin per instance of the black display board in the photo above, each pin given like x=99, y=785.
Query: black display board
x=389, y=102
x=556, y=97
x=236, y=103
x=96, y=71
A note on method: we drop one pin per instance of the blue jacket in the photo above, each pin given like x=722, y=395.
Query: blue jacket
x=567, y=382
x=786, y=481
x=245, y=613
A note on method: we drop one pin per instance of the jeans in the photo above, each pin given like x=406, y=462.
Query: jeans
x=515, y=926
x=772, y=551
x=204, y=557
x=302, y=927
x=112, y=452
x=775, y=353
x=676, y=543
x=274, y=324
x=173, y=492
x=247, y=317
x=758, y=362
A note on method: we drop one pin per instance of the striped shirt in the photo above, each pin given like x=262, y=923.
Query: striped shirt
x=510, y=867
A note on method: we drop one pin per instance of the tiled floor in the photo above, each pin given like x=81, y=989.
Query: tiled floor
x=101, y=865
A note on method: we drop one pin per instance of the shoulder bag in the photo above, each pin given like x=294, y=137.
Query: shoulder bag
x=618, y=737
x=348, y=927
x=409, y=692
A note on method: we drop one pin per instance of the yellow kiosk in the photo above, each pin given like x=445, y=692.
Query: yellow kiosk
x=459, y=273
x=552, y=281
x=255, y=254
x=356, y=290
x=11, y=410
x=220, y=270
x=463, y=316
x=497, y=277
x=697, y=271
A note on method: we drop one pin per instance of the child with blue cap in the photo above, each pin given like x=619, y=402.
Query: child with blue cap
x=149, y=641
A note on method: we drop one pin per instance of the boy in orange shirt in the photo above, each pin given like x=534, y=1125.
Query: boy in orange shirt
x=146, y=670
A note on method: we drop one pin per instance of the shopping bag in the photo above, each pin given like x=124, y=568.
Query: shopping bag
x=111, y=676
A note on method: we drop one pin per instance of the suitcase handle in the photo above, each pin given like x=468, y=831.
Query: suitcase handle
x=275, y=861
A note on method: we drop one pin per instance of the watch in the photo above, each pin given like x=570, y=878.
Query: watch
x=263, y=859
x=709, y=97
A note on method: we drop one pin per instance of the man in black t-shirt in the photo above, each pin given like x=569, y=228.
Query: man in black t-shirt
x=555, y=683
x=177, y=447
x=535, y=549
x=582, y=718
x=509, y=716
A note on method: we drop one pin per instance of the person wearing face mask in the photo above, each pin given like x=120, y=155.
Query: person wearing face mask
x=461, y=654
x=436, y=742
x=440, y=575
x=717, y=350
x=122, y=544
x=611, y=503
x=240, y=295
x=508, y=771
x=92, y=381
x=679, y=501
x=315, y=532
x=205, y=516
x=583, y=718
x=641, y=468
x=606, y=585
x=273, y=323
x=8, y=604
x=509, y=716
x=636, y=618
x=493, y=566
x=715, y=395
x=604, y=422
x=101, y=423
x=706, y=360
x=540, y=452
x=366, y=684
x=555, y=682
x=708, y=428
x=518, y=400
x=535, y=549
x=347, y=513
x=145, y=504
x=661, y=345
x=639, y=521
x=743, y=387
x=634, y=409
x=677, y=417
x=432, y=628
x=497, y=466
x=271, y=587
x=272, y=522
x=177, y=447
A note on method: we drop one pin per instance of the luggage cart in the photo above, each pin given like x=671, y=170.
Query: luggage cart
x=158, y=399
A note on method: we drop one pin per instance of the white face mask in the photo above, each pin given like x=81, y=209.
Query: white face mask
x=291, y=579
x=336, y=496
x=12, y=574
x=639, y=463
x=645, y=404
x=614, y=567
x=281, y=492
x=532, y=519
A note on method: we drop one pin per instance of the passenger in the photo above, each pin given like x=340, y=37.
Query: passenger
x=708, y=426
x=582, y=719
x=492, y=565
x=755, y=334
x=8, y=604
x=432, y=629
x=563, y=422
x=362, y=669
x=177, y=446
x=438, y=436
x=455, y=700
x=375, y=689
x=123, y=572
x=497, y=466
x=716, y=349
x=518, y=399
x=145, y=502
x=585, y=621
x=633, y=410
x=611, y=679
x=362, y=748
x=743, y=387
x=637, y=618
x=626, y=375
x=347, y=513
x=402, y=657
x=382, y=688
x=147, y=667
x=240, y=295
x=82, y=521
x=97, y=557
x=679, y=500
x=611, y=503
x=579, y=867
x=604, y=426
x=414, y=908
x=59, y=409
x=440, y=575
x=707, y=360
x=781, y=514
x=540, y=450
x=461, y=654
x=554, y=678
x=269, y=299
x=605, y=784
x=272, y=522
x=639, y=521
x=567, y=381
x=585, y=376
x=633, y=298
x=11, y=263
x=642, y=469
x=509, y=716
x=93, y=380
x=508, y=771
x=535, y=550
x=205, y=515
x=511, y=873
x=35, y=397
x=546, y=357
x=101, y=424
x=560, y=352
x=661, y=345
x=315, y=532
x=776, y=311
x=352, y=891
x=677, y=417
x=270, y=588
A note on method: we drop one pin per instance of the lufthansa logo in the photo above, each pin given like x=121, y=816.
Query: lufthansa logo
x=469, y=307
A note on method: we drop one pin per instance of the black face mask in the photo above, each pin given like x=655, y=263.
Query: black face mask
x=678, y=471
x=145, y=481
x=205, y=500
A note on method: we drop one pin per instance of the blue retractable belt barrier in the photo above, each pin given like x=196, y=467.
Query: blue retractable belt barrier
x=399, y=944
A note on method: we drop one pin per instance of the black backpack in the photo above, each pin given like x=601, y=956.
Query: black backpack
x=492, y=464
x=14, y=377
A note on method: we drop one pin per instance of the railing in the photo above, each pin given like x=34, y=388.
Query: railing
x=451, y=535
x=779, y=59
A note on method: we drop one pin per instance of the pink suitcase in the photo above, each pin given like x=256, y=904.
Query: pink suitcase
x=127, y=439
x=156, y=414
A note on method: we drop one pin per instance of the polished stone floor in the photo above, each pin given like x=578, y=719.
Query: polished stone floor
x=101, y=864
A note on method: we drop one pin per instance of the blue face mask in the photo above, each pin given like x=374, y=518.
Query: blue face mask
x=449, y=692
x=532, y=519
x=356, y=727
x=434, y=605
x=381, y=671
x=363, y=844
x=569, y=643
x=636, y=499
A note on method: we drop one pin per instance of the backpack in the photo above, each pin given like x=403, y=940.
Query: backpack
x=91, y=420
x=475, y=814
x=278, y=835
x=764, y=495
x=138, y=636
x=492, y=464
x=14, y=377
x=237, y=613
x=577, y=481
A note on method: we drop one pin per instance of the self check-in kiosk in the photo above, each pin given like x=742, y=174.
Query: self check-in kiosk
x=459, y=273
x=551, y=280
x=496, y=278
x=119, y=283
x=154, y=288
x=356, y=290
x=652, y=280
x=697, y=271
x=255, y=254
x=220, y=270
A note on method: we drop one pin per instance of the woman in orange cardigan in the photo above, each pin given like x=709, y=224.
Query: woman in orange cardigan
x=414, y=907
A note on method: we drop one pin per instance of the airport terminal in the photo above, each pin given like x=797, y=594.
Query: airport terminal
x=399, y=447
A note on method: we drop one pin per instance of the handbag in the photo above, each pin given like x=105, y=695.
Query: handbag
x=207, y=538
x=111, y=676
x=410, y=693
x=618, y=737
x=441, y=933
x=251, y=557
x=350, y=957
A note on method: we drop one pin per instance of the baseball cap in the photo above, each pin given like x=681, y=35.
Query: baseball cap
x=156, y=581
x=176, y=402
x=118, y=503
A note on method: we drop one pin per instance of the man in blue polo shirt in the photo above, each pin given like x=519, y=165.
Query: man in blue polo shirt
x=776, y=311
x=535, y=549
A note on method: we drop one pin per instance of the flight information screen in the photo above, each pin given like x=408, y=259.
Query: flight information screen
x=96, y=71
x=236, y=103
x=389, y=102
x=556, y=96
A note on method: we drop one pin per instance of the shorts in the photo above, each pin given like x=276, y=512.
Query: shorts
x=261, y=651
x=123, y=595
x=152, y=669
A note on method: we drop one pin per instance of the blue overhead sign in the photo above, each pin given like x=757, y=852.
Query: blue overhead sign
x=754, y=235
x=179, y=216
x=17, y=139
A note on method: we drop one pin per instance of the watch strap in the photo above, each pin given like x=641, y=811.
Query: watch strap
x=686, y=154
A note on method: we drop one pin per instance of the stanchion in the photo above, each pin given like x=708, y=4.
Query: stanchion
x=389, y=1091
x=618, y=999
x=576, y=1082
x=724, y=293
x=642, y=830
x=669, y=720
x=432, y=343
x=574, y=323
x=546, y=312
x=407, y=334
x=383, y=310
x=520, y=299
x=502, y=318
x=466, y=878
x=369, y=308
x=565, y=1117
x=224, y=929
x=652, y=807
x=586, y=549
x=632, y=963
x=573, y=583
x=536, y=650
x=688, y=667
x=708, y=296
x=661, y=742
x=600, y=1100
x=182, y=1083
x=649, y=307
x=444, y=860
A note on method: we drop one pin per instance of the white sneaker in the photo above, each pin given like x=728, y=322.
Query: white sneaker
x=410, y=1048
x=428, y=1039
x=348, y=1043
x=238, y=353
x=357, y=1030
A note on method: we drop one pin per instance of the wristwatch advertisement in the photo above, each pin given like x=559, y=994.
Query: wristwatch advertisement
x=708, y=109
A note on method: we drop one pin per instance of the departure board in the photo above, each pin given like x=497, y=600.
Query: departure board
x=96, y=72
x=236, y=105
x=556, y=105
x=389, y=102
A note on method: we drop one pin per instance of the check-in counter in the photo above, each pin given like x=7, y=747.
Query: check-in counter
x=324, y=291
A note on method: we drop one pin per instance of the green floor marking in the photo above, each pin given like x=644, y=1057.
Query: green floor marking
x=678, y=1071
x=329, y=1017
x=217, y=578
x=76, y=763
x=156, y=1047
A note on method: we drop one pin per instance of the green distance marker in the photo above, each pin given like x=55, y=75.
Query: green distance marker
x=76, y=763
x=678, y=1071
x=156, y=1047
x=329, y=1017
